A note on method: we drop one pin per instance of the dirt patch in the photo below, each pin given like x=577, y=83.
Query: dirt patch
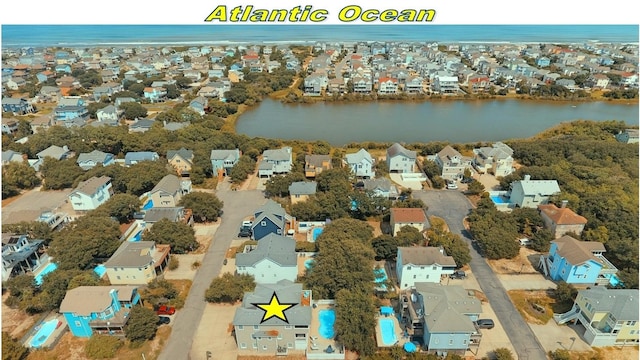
x=525, y=263
x=377, y=228
x=626, y=353
x=14, y=321
x=536, y=306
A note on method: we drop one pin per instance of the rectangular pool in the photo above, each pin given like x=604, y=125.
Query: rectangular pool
x=327, y=318
x=497, y=199
x=388, y=331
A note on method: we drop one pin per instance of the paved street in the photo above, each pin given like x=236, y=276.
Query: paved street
x=453, y=206
x=237, y=205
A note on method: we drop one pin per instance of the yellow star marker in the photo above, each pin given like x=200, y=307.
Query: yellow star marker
x=274, y=309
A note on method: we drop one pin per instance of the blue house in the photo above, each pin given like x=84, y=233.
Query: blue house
x=134, y=157
x=98, y=309
x=16, y=106
x=270, y=218
x=70, y=108
x=543, y=61
x=223, y=160
x=66, y=68
x=578, y=262
x=446, y=313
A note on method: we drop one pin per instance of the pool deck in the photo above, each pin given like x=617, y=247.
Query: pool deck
x=396, y=327
x=301, y=268
x=317, y=344
x=53, y=337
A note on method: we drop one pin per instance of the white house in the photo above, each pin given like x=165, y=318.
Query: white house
x=273, y=259
x=529, y=193
x=91, y=193
x=414, y=217
x=360, y=163
x=277, y=161
x=497, y=159
x=422, y=264
x=400, y=160
x=452, y=164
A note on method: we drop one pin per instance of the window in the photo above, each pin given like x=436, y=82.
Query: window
x=434, y=267
x=240, y=327
x=256, y=327
x=287, y=326
x=264, y=347
x=243, y=345
x=290, y=345
x=118, y=277
x=450, y=341
x=631, y=322
x=414, y=276
x=263, y=223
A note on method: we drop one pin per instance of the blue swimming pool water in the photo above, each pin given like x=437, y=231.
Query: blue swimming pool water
x=380, y=275
x=47, y=269
x=43, y=334
x=308, y=263
x=614, y=280
x=387, y=329
x=137, y=236
x=327, y=318
x=100, y=270
x=148, y=205
x=499, y=200
x=316, y=232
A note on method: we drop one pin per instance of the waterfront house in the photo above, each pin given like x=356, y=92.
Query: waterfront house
x=272, y=260
x=578, y=262
x=103, y=310
x=277, y=161
x=273, y=336
x=607, y=317
x=137, y=262
x=561, y=220
x=452, y=164
x=400, y=160
x=414, y=85
x=270, y=218
x=169, y=190
x=314, y=84
x=444, y=316
x=315, y=164
x=445, y=84
x=387, y=85
x=529, y=193
x=362, y=84
x=91, y=193
x=301, y=190
x=628, y=136
x=20, y=255
x=181, y=160
x=89, y=160
x=134, y=157
x=422, y=264
x=16, y=106
x=222, y=161
x=497, y=159
x=360, y=163
x=414, y=217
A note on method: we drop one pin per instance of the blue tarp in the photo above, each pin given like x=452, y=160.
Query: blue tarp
x=410, y=347
x=386, y=310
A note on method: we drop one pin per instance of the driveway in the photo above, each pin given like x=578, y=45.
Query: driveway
x=237, y=205
x=453, y=207
x=33, y=203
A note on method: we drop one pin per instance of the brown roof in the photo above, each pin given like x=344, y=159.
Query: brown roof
x=576, y=251
x=420, y=255
x=85, y=300
x=90, y=186
x=561, y=216
x=408, y=215
x=136, y=254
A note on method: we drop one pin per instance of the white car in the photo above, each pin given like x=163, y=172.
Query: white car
x=451, y=185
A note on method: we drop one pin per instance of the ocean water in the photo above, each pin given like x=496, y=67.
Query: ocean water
x=92, y=35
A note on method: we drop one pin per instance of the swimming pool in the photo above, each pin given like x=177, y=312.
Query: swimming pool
x=137, y=236
x=148, y=205
x=100, y=270
x=380, y=277
x=51, y=267
x=43, y=334
x=387, y=329
x=327, y=318
x=497, y=199
x=316, y=232
x=308, y=263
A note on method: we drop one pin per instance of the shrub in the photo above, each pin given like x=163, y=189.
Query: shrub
x=102, y=347
x=196, y=264
x=502, y=354
x=229, y=288
x=174, y=263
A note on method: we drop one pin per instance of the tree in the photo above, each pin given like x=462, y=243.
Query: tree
x=120, y=206
x=229, y=288
x=409, y=235
x=242, y=169
x=12, y=349
x=143, y=176
x=142, y=324
x=358, y=336
x=565, y=293
x=158, y=292
x=279, y=185
x=59, y=174
x=541, y=240
x=20, y=175
x=180, y=236
x=102, y=346
x=385, y=246
x=133, y=110
x=502, y=354
x=205, y=206
x=34, y=229
x=475, y=188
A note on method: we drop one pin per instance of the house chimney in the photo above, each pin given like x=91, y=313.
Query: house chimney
x=564, y=203
x=527, y=177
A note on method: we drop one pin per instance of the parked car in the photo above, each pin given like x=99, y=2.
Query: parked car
x=451, y=185
x=466, y=180
x=165, y=310
x=245, y=231
x=485, y=323
x=458, y=274
x=163, y=320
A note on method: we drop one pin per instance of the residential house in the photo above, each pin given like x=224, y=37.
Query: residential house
x=222, y=161
x=301, y=190
x=400, y=160
x=134, y=157
x=277, y=161
x=387, y=85
x=11, y=156
x=272, y=260
x=70, y=108
x=578, y=262
x=50, y=93
x=598, y=81
x=137, y=262
x=606, y=317
x=529, y=193
x=273, y=336
x=155, y=94
x=199, y=105
x=20, y=255
x=9, y=126
x=141, y=125
x=15, y=83
x=89, y=160
x=452, y=164
x=360, y=163
x=381, y=187
x=103, y=310
x=270, y=218
x=414, y=85
x=314, y=84
x=479, y=83
x=443, y=84
x=561, y=220
x=91, y=193
x=362, y=85
x=56, y=152
x=181, y=160
x=414, y=217
x=444, y=315
x=315, y=164
x=169, y=190
x=173, y=214
x=422, y=264
x=628, y=136
x=497, y=159
x=109, y=115
x=16, y=106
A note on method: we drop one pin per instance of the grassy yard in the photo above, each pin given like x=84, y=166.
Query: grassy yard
x=529, y=303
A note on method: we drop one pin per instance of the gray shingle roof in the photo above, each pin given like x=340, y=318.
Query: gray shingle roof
x=420, y=255
x=96, y=156
x=358, y=157
x=288, y=292
x=183, y=153
x=621, y=303
x=538, y=187
x=169, y=184
x=132, y=254
x=446, y=307
x=90, y=186
x=140, y=156
x=397, y=149
x=156, y=214
x=233, y=154
x=53, y=151
x=85, y=300
x=303, y=188
x=279, y=249
x=278, y=154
